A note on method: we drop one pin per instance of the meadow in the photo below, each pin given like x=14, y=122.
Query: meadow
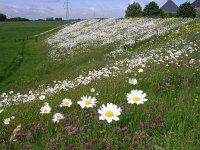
x=148, y=68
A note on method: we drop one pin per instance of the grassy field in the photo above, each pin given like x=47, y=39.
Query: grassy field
x=15, y=52
x=168, y=120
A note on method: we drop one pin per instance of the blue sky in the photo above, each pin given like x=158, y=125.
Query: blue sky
x=35, y=9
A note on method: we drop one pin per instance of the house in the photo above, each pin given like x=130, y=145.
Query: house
x=170, y=7
x=196, y=4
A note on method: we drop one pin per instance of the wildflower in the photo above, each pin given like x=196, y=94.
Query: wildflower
x=57, y=117
x=13, y=117
x=66, y=102
x=192, y=61
x=92, y=90
x=109, y=112
x=136, y=96
x=132, y=81
x=87, y=101
x=11, y=92
x=42, y=97
x=1, y=110
x=70, y=147
x=46, y=109
x=140, y=70
x=31, y=97
x=6, y=121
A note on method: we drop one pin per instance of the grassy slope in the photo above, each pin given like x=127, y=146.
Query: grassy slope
x=13, y=51
x=173, y=106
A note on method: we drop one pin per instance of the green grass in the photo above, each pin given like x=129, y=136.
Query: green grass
x=173, y=101
x=13, y=39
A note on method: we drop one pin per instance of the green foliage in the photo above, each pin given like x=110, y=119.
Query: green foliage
x=133, y=10
x=18, y=19
x=186, y=10
x=152, y=10
x=165, y=14
x=18, y=48
x=49, y=19
x=2, y=17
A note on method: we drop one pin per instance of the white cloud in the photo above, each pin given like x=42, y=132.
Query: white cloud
x=93, y=9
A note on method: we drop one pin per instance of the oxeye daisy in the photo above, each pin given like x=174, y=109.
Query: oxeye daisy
x=87, y=102
x=136, y=96
x=6, y=121
x=66, y=103
x=140, y=70
x=109, y=112
x=57, y=117
x=46, y=109
x=1, y=110
x=42, y=97
x=132, y=81
x=31, y=97
x=92, y=90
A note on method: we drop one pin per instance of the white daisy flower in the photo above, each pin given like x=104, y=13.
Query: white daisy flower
x=109, y=112
x=42, y=97
x=136, y=96
x=140, y=70
x=87, y=101
x=1, y=110
x=13, y=117
x=46, y=109
x=66, y=103
x=6, y=121
x=31, y=97
x=57, y=117
x=30, y=92
x=132, y=81
x=92, y=90
x=11, y=92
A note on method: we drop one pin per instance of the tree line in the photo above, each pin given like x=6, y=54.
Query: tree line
x=3, y=17
x=152, y=10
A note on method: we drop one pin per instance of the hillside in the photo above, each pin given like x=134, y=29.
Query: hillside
x=100, y=58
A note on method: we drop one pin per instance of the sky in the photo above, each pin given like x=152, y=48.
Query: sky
x=83, y=9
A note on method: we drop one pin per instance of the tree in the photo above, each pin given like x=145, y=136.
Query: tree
x=58, y=19
x=186, y=10
x=49, y=19
x=152, y=9
x=2, y=17
x=133, y=10
x=18, y=19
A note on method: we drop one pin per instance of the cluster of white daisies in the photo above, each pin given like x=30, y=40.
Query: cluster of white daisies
x=108, y=112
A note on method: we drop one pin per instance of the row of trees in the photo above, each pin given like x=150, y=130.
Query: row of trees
x=152, y=10
x=4, y=18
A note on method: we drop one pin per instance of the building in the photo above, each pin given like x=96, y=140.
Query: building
x=170, y=7
x=196, y=4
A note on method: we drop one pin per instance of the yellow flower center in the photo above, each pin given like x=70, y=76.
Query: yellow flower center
x=45, y=110
x=88, y=102
x=136, y=99
x=109, y=114
x=66, y=103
